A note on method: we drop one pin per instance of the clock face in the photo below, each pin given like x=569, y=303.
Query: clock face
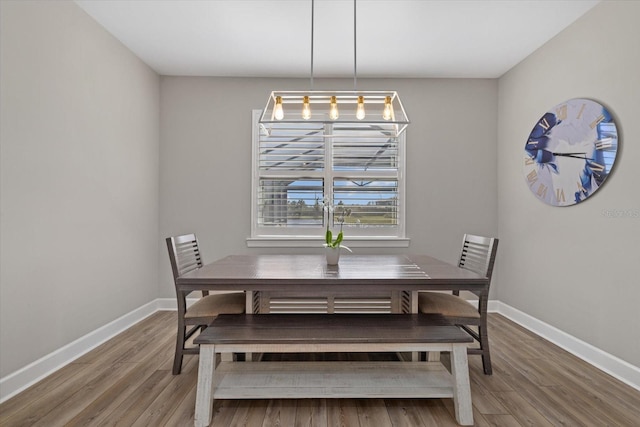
x=570, y=152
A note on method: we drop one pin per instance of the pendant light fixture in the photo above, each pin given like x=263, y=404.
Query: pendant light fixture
x=333, y=108
x=347, y=111
x=360, y=113
x=387, y=112
x=306, y=108
x=278, y=111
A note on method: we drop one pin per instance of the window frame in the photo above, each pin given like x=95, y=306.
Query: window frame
x=264, y=236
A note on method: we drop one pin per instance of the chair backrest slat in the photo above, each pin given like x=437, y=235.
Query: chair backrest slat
x=184, y=254
x=479, y=254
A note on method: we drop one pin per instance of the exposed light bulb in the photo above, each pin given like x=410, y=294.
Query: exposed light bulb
x=387, y=113
x=333, y=110
x=278, y=112
x=360, y=109
x=306, y=109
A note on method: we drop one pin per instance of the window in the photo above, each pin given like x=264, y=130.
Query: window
x=360, y=170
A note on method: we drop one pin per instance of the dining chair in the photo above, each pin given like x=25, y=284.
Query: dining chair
x=184, y=254
x=478, y=255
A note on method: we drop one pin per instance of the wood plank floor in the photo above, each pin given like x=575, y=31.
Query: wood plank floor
x=127, y=381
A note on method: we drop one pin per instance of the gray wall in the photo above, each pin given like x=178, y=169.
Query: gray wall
x=205, y=161
x=84, y=207
x=576, y=268
x=79, y=179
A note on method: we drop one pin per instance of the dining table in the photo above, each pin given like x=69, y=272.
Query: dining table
x=299, y=283
x=306, y=283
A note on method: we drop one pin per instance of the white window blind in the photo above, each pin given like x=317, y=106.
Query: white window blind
x=361, y=171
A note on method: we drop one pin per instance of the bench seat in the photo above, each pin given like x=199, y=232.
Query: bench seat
x=303, y=333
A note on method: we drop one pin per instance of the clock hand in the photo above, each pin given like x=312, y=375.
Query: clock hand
x=543, y=156
x=582, y=156
x=597, y=168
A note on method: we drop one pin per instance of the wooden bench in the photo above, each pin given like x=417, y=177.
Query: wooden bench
x=311, y=333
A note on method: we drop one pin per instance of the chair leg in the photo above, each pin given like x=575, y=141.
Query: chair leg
x=484, y=346
x=177, y=359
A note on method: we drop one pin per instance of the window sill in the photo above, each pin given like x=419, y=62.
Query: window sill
x=314, y=242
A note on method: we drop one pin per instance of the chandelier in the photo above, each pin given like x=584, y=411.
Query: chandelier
x=347, y=111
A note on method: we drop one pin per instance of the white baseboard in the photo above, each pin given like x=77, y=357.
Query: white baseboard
x=19, y=380
x=24, y=377
x=612, y=365
x=170, y=304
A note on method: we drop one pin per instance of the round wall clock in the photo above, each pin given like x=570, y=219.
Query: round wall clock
x=570, y=152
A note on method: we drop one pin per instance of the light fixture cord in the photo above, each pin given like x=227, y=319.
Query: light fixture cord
x=355, y=80
x=312, y=10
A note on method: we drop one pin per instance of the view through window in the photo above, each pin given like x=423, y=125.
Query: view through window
x=359, y=169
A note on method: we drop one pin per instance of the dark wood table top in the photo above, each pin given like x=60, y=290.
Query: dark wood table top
x=355, y=273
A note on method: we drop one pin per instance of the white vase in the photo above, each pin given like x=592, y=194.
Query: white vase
x=333, y=255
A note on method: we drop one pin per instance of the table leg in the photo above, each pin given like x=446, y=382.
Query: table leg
x=204, y=392
x=433, y=356
x=415, y=356
x=250, y=308
x=414, y=301
x=461, y=386
x=249, y=302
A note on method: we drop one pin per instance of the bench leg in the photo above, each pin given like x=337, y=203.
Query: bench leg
x=461, y=386
x=204, y=392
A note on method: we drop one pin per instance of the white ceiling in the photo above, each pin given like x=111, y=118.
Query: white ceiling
x=395, y=38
